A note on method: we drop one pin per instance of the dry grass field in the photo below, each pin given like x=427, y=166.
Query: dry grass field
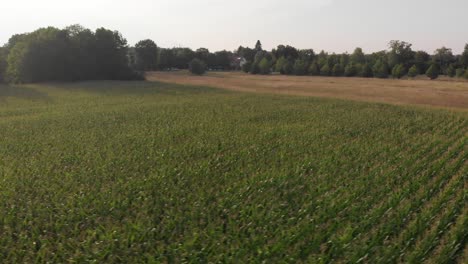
x=445, y=92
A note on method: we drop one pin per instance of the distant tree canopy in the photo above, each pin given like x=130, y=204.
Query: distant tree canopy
x=287, y=52
x=464, y=58
x=422, y=61
x=398, y=71
x=179, y=58
x=433, y=71
x=301, y=67
x=70, y=54
x=258, y=46
x=413, y=71
x=443, y=57
x=197, y=67
x=397, y=61
x=3, y=63
x=400, y=54
x=146, y=55
x=358, y=56
x=76, y=53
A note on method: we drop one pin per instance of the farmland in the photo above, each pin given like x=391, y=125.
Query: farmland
x=446, y=92
x=155, y=172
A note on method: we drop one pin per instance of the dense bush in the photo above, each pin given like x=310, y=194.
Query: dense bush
x=246, y=67
x=460, y=73
x=398, y=71
x=413, y=71
x=314, y=69
x=300, y=67
x=146, y=55
x=350, y=70
x=451, y=71
x=280, y=63
x=380, y=69
x=366, y=71
x=197, y=67
x=325, y=70
x=255, y=68
x=288, y=68
x=264, y=66
x=433, y=72
x=337, y=70
x=3, y=64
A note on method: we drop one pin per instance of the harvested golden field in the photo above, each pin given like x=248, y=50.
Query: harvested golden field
x=447, y=93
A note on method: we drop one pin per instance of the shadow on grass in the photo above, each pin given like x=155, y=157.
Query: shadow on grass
x=130, y=88
x=22, y=92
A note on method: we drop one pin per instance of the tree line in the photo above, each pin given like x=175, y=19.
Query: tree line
x=147, y=56
x=398, y=61
x=76, y=53
x=71, y=54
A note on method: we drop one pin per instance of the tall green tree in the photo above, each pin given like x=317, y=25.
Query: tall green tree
x=337, y=70
x=83, y=55
x=287, y=52
x=400, y=53
x=246, y=53
x=3, y=63
x=413, y=71
x=255, y=68
x=366, y=71
x=221, y=60
x=307, y=55
x=246, y=67
x=380, y=69
x=451, y=70
x=422, y=60
x=314, y=69
x=358, y=57
x=202, y=54
x=344, y=59
x=288, y=68
x=325, y=70
x=146, y=55
x=111, y=54
x=433, y=71
x=166, y=59
x=40, y=56
x=398, y=71
x=322, y=59
x=258, y=46
x=464, y=57
x=279, y=66
x=73, y=53
x=301, y=67
x=443, y=57
x=350, y=70
x=182, y=57
x=264, y=66
x=460, y=72
x=197, y=67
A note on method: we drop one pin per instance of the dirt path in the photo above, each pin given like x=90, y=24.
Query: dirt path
x=440, y=93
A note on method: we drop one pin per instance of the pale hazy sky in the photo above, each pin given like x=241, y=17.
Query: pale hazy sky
x=332, y=25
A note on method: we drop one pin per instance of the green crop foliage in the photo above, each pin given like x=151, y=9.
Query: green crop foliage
x=136, y=172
